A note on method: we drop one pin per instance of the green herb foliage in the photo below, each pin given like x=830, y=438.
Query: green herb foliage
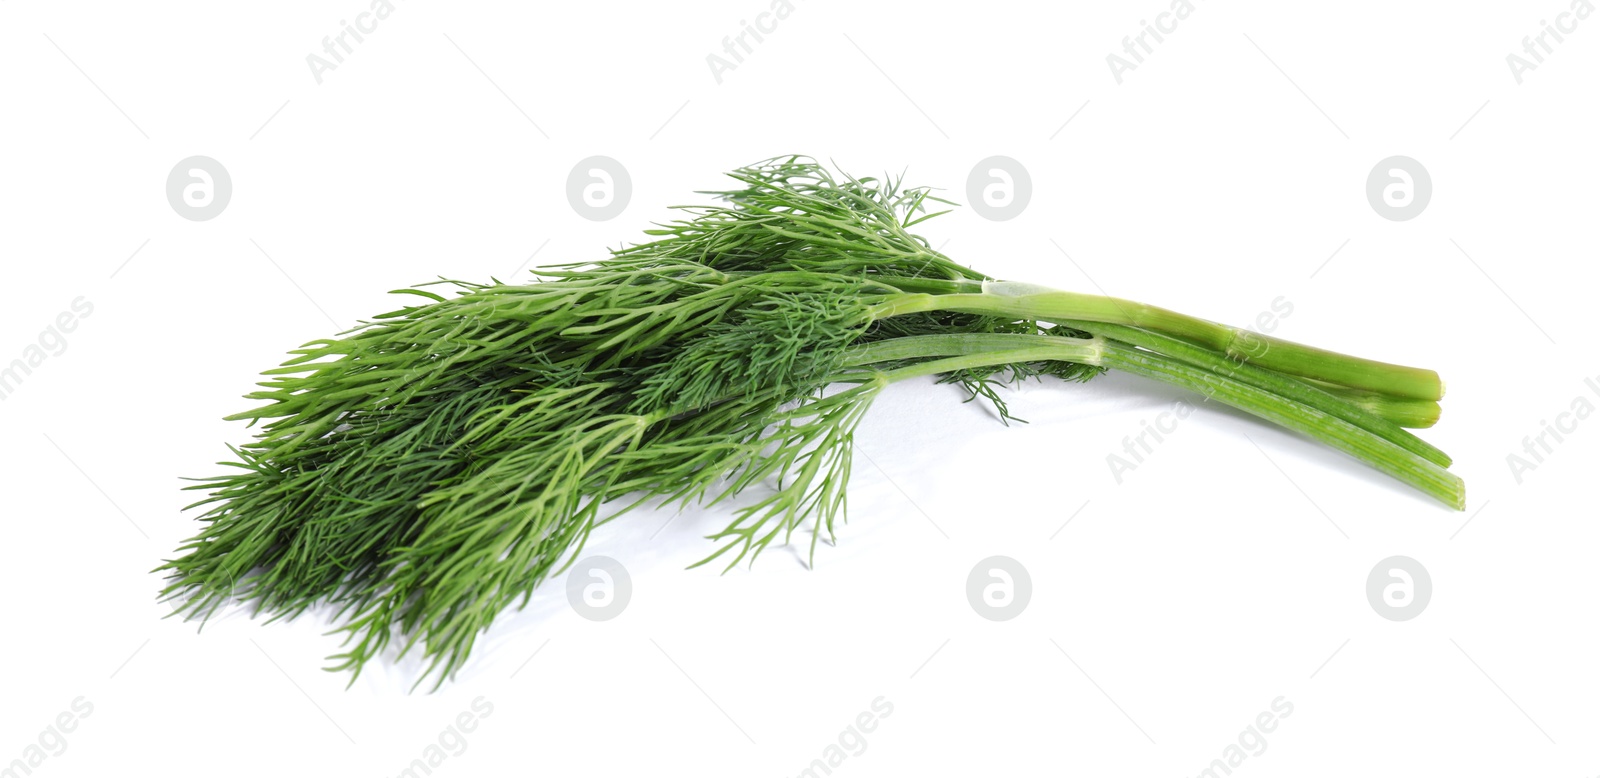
x=423, y=472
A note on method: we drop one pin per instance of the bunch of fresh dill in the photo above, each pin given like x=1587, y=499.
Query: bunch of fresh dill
x=423, y=472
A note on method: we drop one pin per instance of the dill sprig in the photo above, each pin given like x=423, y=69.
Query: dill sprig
x=423, y=472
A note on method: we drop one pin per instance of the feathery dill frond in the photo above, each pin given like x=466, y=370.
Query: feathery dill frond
x=428, y=469
x=786, y=343
x=795, y=214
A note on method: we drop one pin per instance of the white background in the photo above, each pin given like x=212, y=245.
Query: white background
x=1226, y=571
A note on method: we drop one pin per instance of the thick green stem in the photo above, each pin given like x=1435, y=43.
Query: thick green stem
x=1315, y=396
x=1082, y=350
x=968, y=351
x=1416, y=414
x=1028, y=301
x=1342, y=435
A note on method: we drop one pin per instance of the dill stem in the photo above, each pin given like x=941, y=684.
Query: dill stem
x=1382, y=454
x=957, y=352
x=1029, y=301
x=984, y=345
x=1318, y=397
x=1416, y=414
